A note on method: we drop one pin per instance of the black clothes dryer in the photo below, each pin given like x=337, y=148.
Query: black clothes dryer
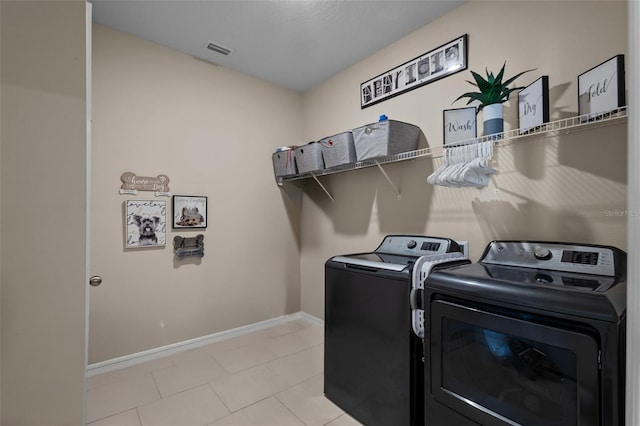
x=533, y=334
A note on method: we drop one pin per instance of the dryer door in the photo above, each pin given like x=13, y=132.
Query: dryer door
x=501, y=370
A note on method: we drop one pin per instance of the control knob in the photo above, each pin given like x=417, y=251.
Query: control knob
x=542, y=253
x=412, y=244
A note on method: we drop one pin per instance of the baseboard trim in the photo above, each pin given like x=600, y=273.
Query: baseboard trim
x=308, y=317
x=151, y=354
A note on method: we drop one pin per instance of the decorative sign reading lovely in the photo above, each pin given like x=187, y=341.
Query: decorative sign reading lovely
x=459, y=125
x=438, y=63
x=145, y=223
x=601, y=89
x=533, y=104
x=131, y=182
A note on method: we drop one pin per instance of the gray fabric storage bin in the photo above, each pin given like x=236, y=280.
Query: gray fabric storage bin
x=309, y=157
x=338, y=149
x=384, y=138
x=284, y=163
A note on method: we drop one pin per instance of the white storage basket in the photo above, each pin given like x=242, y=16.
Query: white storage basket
x=338, y=149
x=284, y=163
x=309, y=157
x=389, y=137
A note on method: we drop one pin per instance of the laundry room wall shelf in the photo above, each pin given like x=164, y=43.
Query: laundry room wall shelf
x=565, y=125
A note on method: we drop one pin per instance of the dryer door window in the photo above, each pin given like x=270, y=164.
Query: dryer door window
x=499, y=370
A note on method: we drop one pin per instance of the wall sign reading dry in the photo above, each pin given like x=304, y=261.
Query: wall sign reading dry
x=131, y=184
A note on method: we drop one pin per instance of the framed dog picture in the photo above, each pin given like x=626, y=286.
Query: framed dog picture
x=189, y=211
x=145, y=223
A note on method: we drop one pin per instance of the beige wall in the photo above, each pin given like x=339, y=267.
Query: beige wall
x=556, y=188
x=0, y=218
x=212, y=131
x=546, y=189
x=43, y=212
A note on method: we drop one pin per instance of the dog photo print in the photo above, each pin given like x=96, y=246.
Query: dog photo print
x=146, y=223
x=189, y=211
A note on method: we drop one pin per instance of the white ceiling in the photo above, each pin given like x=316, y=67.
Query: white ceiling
x=293, y=43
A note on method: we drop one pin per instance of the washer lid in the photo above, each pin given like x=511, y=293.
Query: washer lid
x=399, y=252
x=389, y=262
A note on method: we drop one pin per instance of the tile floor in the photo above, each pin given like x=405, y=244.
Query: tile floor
x=270, y=377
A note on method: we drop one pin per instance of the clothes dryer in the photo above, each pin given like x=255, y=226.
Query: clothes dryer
x=532, y=334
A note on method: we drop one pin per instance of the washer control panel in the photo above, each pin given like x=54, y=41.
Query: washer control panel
x=413, y=245
x=596, y=260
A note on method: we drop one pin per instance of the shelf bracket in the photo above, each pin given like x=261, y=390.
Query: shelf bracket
x=389, y=180
x=322, y=186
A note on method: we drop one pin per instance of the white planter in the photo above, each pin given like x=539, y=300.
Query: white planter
x=492, y=119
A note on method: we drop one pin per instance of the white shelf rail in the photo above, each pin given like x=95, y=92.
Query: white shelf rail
x=564, y=125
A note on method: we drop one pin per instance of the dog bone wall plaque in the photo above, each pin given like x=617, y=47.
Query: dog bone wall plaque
x=131, y=184
x=189, y=246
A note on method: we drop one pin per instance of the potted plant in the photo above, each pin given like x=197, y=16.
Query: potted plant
x=493, y=92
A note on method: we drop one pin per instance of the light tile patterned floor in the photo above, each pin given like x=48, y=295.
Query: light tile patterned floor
x=270, y=377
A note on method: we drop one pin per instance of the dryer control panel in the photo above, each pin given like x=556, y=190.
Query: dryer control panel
x=584, y=259
x=413, y=245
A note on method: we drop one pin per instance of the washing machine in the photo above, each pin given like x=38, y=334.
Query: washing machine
x=372, y=357
x=531, y=334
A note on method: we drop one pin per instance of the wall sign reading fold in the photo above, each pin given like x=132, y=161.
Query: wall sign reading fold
x=438, y=63
x=601, y=89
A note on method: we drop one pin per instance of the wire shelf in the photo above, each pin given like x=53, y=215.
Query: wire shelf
x=565, y=125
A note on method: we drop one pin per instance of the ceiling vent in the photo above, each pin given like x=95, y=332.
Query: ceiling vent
x=218, y=49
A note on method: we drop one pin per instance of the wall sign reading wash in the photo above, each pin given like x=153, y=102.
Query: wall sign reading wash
x=459, y=125
x=438, y=63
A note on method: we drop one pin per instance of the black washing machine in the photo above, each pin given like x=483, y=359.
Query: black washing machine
x=532, y=334
x=373, y=360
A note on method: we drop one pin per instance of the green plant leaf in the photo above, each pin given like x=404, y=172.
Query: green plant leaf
x=490, y=77
x=492, y=90
x=511, y=80
x=507, y=92
x=481, y=83
x=473, y=96
x=498, y=80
